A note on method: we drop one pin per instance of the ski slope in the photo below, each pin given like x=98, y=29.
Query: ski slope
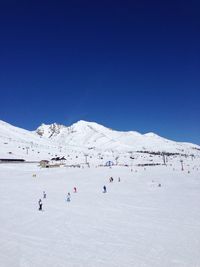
x=136, y=223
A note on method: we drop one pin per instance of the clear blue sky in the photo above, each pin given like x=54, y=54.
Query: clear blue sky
x=128, y=65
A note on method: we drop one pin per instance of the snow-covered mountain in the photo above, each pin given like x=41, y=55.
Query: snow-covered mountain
x=82, y=137
x=93, y=135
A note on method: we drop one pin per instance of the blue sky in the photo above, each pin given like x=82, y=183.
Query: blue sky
x=128, y=65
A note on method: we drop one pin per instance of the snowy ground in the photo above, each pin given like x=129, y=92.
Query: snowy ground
x=136, y=223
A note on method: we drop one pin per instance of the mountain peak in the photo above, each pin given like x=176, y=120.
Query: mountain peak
x=49, y=130
x=83, y=122
x=151, y=134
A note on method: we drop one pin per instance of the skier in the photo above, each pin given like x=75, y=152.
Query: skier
x=40, y=204
x=104, y=189
x=75, y=190
x=44, y=194
x=111, y=179
x=68, y=197
x=119, y=180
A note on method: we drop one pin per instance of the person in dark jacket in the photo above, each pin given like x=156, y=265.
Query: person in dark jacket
x=68, y=197
x=104, y=189
x=111, y=180
x=40, y=204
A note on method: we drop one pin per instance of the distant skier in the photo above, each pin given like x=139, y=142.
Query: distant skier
x=68, y=197
x=104, y=189
x=119, y=180
x=40, y=204
x=75, y=190
x=111, y=179
x=44, y=194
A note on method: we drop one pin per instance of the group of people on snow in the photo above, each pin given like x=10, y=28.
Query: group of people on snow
x=68, y=197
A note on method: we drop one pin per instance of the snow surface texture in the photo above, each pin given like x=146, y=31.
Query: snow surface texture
x=136, y=223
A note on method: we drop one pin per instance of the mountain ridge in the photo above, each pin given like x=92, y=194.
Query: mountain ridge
x=83, y=136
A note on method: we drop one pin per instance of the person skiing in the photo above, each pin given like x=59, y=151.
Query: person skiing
x=68, y=197
x=104, y=189
x=119, y=180
x=40, y=204
x=75, y=190
x=44, y=194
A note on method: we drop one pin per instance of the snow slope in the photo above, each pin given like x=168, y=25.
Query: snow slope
x=19, y=143
x=136, y=223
